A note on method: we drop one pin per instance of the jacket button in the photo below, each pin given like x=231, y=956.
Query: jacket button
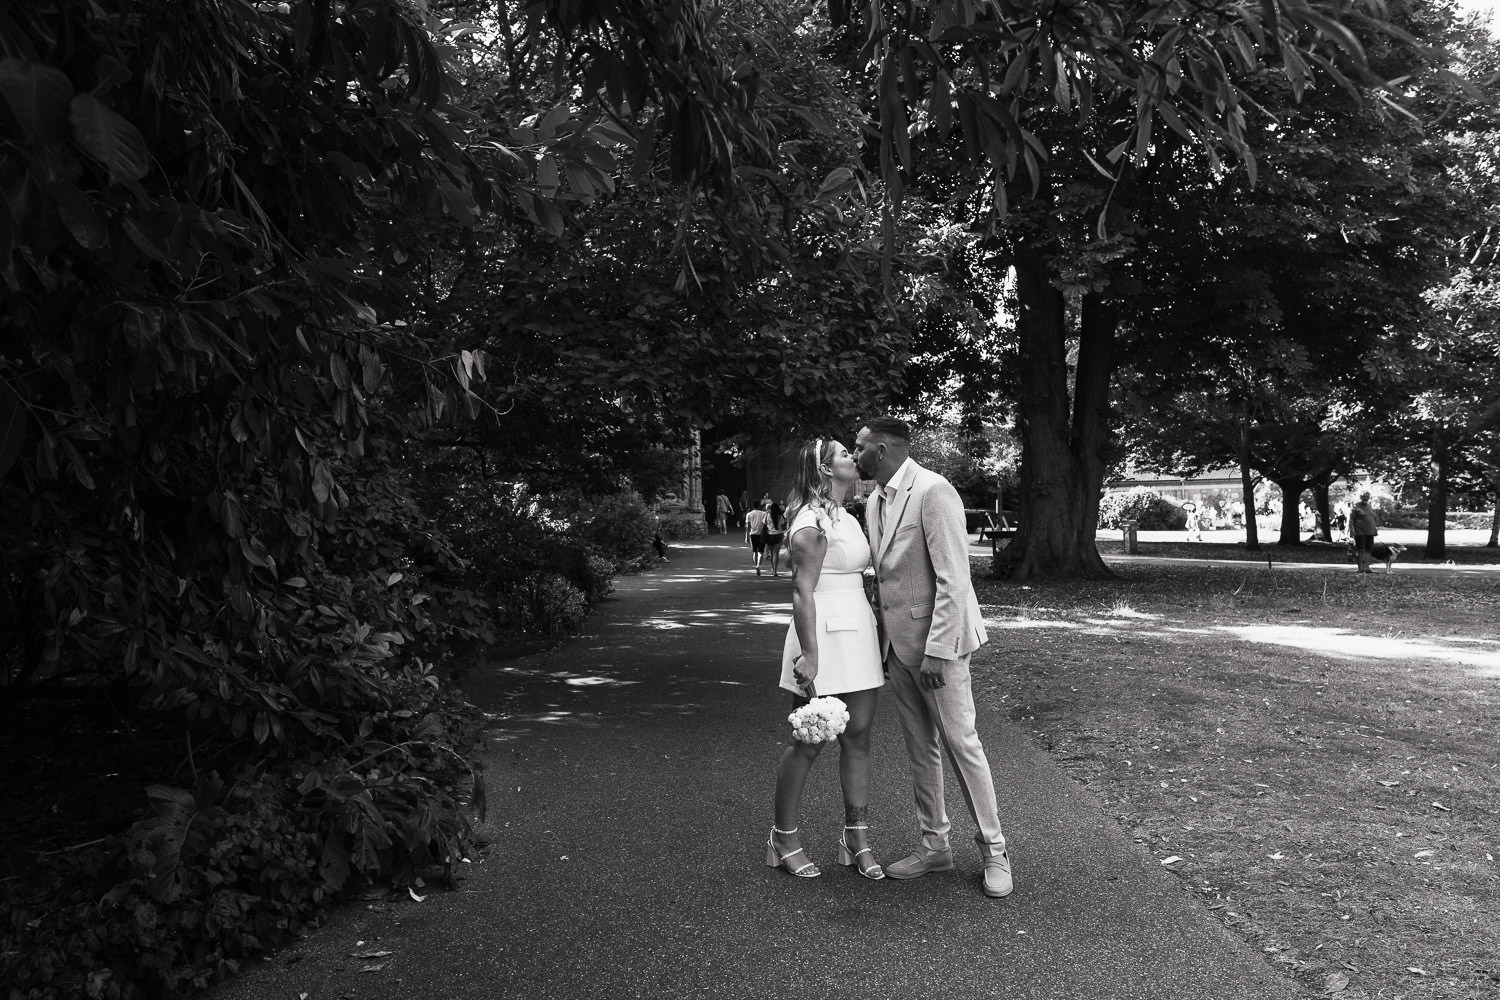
x=885, y=607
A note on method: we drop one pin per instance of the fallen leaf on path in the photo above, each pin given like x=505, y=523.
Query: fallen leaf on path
x=1278, y=856
x=1424, y=854
x=1390, y=784
x=414, y=895
x=370, y=954
x=1335, y=982
x=375, y=968
x=1416, y=971
x=1171, y=861
x=1439, y=805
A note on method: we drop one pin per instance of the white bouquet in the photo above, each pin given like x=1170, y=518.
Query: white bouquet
x=820, y=720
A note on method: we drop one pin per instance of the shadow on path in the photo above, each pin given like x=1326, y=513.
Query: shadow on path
x=630, y=776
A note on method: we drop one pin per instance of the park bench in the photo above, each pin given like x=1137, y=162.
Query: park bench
x=991, y=524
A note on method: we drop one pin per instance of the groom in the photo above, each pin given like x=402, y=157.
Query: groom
x=931, y=624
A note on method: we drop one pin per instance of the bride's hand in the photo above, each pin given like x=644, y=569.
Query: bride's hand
x=805, y=670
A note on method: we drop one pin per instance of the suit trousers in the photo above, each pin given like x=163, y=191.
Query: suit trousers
x=934, y=721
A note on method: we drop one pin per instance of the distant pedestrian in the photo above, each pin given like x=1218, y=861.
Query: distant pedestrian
x=660, y=547
x=743, y=508
x=758, y=531
x=1193, y=534
x=775, y=535
x=724, y=510
x=1362, y=526
x=1341, y=524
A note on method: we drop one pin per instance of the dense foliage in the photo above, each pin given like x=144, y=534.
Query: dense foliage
x=1149, y=509
x=338, y=337
x=212, y=219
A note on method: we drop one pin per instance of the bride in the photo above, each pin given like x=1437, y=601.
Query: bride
x=831, y=649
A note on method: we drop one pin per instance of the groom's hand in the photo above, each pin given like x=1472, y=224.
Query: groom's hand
x=932, y=673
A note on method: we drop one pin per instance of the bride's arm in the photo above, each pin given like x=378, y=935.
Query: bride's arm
x=807, y=547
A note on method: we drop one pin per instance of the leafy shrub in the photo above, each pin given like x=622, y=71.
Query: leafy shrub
x=1149, y=509
x=620, y=526
x=598, y=579
x=1471, y=519
x=545, y=604
x=677, y=528
x=215, y=873
x=1416, y=519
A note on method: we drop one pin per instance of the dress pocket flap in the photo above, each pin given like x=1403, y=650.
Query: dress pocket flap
x=922, y=611
x=849, y=624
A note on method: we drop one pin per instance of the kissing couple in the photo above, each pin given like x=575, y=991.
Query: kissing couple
x=923, y=627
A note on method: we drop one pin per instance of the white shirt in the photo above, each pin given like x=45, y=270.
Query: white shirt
x=898, y=479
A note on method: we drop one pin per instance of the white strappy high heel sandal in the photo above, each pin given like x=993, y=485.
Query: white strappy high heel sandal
x=871, y=871
x=775, y=860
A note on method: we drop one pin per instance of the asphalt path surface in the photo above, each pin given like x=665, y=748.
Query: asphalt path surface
x=630, y=775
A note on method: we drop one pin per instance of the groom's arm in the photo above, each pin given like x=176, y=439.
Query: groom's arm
x=948, y=549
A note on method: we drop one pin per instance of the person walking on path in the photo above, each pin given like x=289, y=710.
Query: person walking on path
x=757, y=530
x=723, y=510
x=830, y=649
x=1362, y=527
x=931, y=624
x=1193, y=534
x=777, y=536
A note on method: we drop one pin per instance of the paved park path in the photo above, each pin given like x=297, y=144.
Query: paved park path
x=630, y=777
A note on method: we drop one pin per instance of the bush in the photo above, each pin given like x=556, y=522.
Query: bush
x=598, y=578
x=676, y=528
x=621, y=527
x=1414, y=519
x=1149, y=509
x=219, y=871
x=545, y=604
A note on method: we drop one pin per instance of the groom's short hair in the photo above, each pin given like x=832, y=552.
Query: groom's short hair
x=890, y=427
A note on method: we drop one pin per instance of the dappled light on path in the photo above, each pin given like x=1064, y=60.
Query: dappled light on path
x=754, y=613
x=569, y=678
x=1344, y=644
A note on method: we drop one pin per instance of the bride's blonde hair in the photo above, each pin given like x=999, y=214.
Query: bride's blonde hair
x=812, y=486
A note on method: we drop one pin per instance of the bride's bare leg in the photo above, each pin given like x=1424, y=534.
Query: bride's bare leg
x=791, y=778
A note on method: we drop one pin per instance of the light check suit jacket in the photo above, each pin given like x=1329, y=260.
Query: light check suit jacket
x=921, y=544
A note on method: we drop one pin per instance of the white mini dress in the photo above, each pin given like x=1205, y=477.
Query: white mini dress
x=848, y=648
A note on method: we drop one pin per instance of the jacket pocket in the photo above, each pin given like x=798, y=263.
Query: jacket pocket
x=841, y=624
x=922, y=611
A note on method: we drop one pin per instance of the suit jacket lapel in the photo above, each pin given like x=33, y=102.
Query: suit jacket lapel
x=893, y=514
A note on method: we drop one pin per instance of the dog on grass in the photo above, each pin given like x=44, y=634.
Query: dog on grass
x=1386, y=552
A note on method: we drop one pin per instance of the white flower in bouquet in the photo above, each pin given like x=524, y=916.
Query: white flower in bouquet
x=820, y=720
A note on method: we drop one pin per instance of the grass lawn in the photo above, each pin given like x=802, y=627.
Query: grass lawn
x=1321, y=750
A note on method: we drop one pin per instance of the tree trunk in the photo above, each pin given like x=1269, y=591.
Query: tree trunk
x=1062, y=460
x=1494, y=541
x=1320, y=505
x=1291, y=524
x=1437, y=503
x=1247, y=483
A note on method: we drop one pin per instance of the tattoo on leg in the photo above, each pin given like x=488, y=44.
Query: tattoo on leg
x=856, y=814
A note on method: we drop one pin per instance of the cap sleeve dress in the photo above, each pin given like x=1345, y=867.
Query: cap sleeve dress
x=848, y=650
